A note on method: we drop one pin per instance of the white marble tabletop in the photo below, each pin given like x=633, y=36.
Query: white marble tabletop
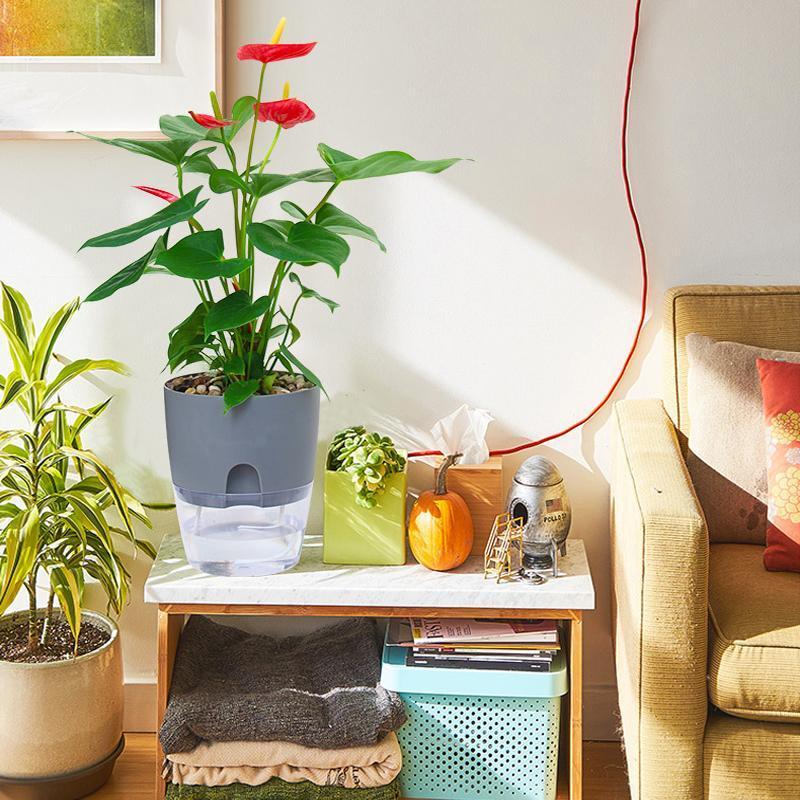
x=312, y=583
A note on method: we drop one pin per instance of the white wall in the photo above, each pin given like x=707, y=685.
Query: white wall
x=511, y=282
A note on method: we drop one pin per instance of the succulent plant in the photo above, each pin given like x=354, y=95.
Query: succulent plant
x=368, y=458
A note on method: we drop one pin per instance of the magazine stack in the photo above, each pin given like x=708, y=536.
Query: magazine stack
x=510, y=645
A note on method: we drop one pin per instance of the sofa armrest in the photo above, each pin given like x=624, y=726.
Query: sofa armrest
x=660, y=576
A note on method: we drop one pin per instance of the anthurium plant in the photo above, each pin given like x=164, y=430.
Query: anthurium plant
x=243, y=327
x=61, y=506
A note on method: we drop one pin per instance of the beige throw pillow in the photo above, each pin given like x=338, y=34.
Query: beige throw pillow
x=727, y=455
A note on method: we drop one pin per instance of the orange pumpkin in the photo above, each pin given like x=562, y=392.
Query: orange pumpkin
x=440, y=526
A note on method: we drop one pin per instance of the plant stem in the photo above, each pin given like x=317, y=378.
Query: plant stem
x=255, y=120
x=289, y=321
x=324, y=200
x=271, y=148
x=33, y=632
x=48, y=620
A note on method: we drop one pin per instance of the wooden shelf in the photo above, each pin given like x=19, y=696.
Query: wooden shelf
x=316, y=589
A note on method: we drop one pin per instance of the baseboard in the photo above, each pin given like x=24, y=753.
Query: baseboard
x=140, y=707
x=600, y=713
x=600, y=710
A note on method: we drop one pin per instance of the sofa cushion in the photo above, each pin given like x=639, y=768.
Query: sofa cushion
x=749, y=760
x=754, y=639
x=780, y=390
x=727, y=456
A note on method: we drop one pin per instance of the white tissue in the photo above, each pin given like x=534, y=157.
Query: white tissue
x=464, y=431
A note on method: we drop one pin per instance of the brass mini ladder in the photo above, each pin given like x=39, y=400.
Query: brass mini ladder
x=503, y=555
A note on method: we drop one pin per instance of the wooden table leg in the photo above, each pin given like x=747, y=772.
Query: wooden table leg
x=169, y=633
x=576, y=706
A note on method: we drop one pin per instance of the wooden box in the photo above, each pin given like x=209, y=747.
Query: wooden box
x=481, y=486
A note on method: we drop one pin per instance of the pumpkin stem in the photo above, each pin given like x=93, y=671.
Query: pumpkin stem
x=441, y=475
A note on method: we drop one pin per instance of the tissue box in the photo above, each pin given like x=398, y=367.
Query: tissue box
x=481, y=486
x=365, y=536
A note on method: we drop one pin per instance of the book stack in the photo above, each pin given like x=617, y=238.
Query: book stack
x=516, y=645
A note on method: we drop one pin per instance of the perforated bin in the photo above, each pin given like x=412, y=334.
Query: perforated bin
x=477, y=734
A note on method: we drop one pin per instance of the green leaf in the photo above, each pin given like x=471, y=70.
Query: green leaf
x=129, y=275
x=108, y=479
x=294, y=210
x=187, y=338
x=285, y=354
x=171, y=151
x=181, y=210
x=305, y=292
x=200, y=256
x=88, y=415
x=21, y=539
x=182, y=127
x=338, y=221
x=332, y=156
x=282, y=226
x=200, y=162
x=80, y=367
x=15, y=385
x=17, y=314
x=241, y=113
x=306, y=243
x=67, y=585
x=234, y=366
x=20, y=355
x=266, y=184
x=267, y=382
x=234, y=311
x=46, y=341
x=378, y=165
x=238, y=392
x=254, y=364
x=226, y=180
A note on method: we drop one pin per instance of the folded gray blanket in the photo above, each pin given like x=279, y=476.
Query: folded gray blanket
x=318, y=690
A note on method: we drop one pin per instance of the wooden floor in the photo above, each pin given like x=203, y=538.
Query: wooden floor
x=133, y=779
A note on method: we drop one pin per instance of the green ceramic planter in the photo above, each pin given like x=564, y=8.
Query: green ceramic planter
x=367, y=536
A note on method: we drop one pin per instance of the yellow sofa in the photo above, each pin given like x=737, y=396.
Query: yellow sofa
x=707, y=642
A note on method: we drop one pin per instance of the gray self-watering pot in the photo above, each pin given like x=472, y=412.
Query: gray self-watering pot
x=243, y=479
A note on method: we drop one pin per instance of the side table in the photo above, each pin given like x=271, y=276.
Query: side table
x=315, y=589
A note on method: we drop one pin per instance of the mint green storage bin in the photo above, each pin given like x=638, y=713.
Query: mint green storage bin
x=477, y=734
x=364, y=536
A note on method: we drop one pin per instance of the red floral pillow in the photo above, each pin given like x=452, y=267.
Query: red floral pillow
x=780, y=391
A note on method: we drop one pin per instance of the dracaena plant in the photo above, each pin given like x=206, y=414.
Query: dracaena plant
x=245, y=326
x=62, y=510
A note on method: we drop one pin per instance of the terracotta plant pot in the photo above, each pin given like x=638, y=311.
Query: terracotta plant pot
x=61, y=722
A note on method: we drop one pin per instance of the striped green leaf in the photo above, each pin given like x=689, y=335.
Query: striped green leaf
x=46, y=341
x=17, y=314
x=67, y=585
x=21, y=544
x=80, y=367
x=19, y=352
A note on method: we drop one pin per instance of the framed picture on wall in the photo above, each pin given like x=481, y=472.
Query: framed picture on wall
x=107, y=67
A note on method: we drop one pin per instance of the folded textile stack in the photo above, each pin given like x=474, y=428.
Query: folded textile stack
x=277, y=789
x=251, y=717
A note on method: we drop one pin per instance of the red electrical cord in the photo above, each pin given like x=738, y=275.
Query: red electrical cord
x=631, y=207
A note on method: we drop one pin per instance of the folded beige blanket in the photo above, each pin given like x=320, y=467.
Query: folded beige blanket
x=254, y=763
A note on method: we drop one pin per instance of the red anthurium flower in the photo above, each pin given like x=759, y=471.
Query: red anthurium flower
x=207, y=121
x=267, y=53
x=286, y=113
x=162, y=193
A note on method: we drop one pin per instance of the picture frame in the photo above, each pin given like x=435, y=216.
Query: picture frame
x=187, y=44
